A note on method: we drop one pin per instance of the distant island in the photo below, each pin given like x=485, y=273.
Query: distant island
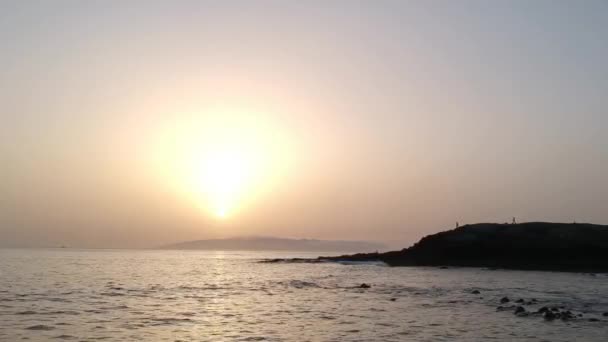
x=277, y=244
x=573, y=247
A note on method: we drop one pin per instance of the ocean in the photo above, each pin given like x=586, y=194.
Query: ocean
x=152, y=295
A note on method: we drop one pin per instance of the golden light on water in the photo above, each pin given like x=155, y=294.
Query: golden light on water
x=222, y=158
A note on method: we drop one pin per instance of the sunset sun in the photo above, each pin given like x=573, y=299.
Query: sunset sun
x=223, y=158
x=223, y=176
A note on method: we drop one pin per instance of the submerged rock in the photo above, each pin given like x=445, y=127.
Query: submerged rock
x=543, y=309
x=504, y=300
x=475, y=292
x=364, y=286
x=566, y=315
x=520, y=311
x=505, y=308
x=549, y=315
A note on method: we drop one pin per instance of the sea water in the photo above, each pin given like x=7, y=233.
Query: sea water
x=147, y=295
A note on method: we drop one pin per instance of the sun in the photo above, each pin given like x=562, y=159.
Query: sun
x=223, y=176
x=223, y=159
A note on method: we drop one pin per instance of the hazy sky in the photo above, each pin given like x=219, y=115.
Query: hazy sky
x=379, y=120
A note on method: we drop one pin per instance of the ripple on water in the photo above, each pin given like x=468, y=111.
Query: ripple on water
x=27, y=312
x=300, y=284
x=65, y=337
x=115, y=307
x=170, y=321
x=63, y=312
x=40, y=327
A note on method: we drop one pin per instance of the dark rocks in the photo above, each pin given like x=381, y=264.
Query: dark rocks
x=530, y=302
x=364, y=286
x=554, y=313
x=593, y=320
x=393, y=299
x=543, y=309
x=549, y=315
x=605, y=314
x=504, y=300
x=475, y=292
x=566, y=315
x=521, y=311
x=524, y=302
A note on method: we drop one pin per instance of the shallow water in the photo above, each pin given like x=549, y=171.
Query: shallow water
x=110, y=295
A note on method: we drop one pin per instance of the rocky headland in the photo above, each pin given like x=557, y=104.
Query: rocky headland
x=574, y=247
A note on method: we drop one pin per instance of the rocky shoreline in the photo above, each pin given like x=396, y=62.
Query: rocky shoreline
x=571, y=247
x=526, y=308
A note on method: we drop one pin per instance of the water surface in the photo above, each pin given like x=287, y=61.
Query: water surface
x=118, y=295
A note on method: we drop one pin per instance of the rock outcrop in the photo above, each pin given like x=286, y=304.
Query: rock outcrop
x=534, y=245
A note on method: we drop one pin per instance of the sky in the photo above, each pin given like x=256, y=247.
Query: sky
x=128, y=124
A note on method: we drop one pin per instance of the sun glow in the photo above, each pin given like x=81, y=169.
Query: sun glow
x=223, y=159
x=223, y=175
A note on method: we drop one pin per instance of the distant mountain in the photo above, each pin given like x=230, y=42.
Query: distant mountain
x=578, y=247
x=277, y=244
